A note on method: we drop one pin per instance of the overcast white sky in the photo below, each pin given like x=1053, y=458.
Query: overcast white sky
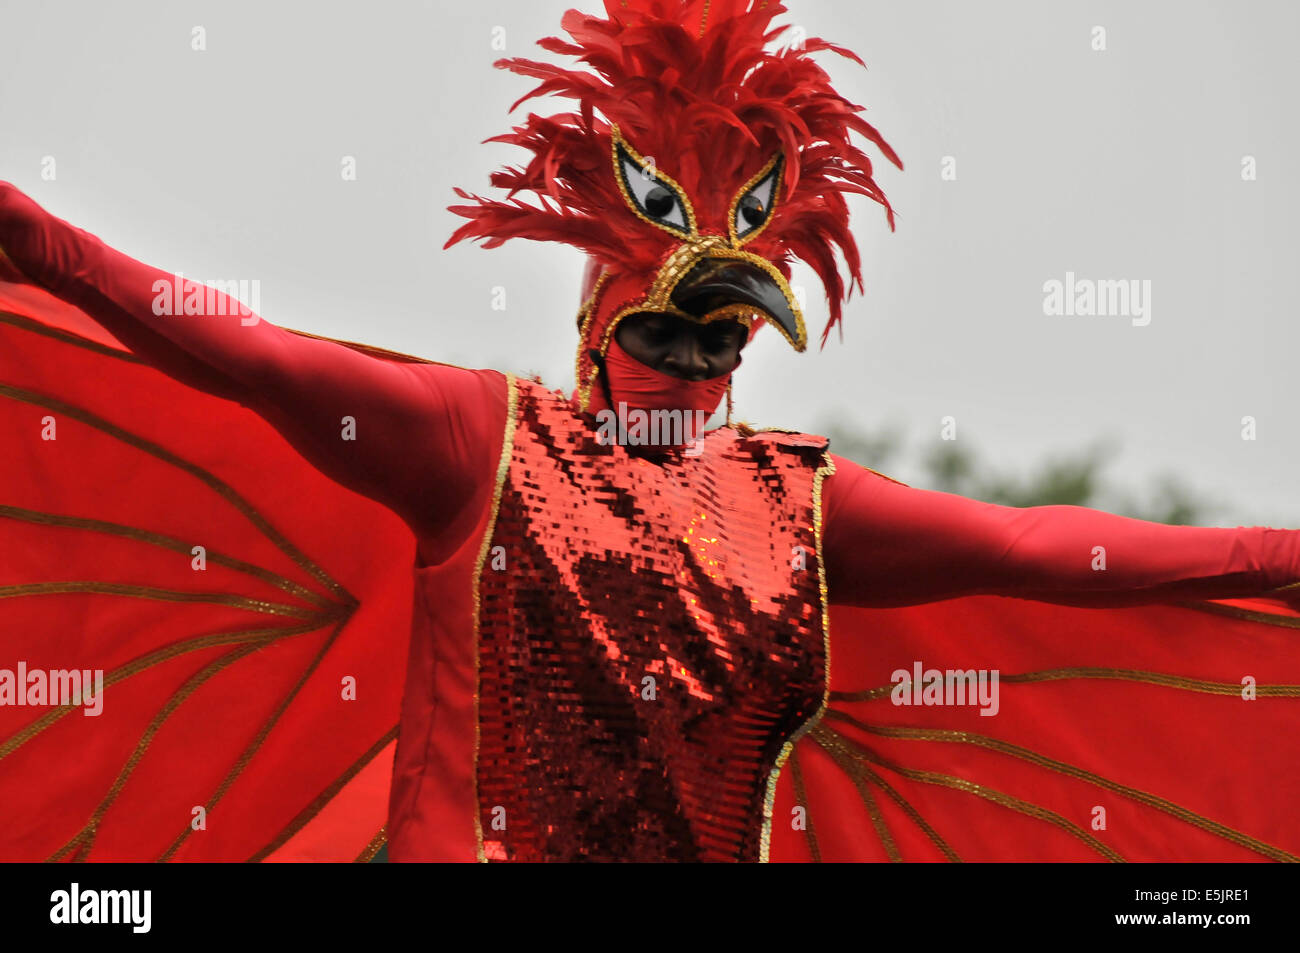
x=1116, y=164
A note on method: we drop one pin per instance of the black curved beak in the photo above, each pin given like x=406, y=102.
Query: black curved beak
x=715, y=282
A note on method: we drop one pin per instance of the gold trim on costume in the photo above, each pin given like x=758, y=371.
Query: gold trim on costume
x=866, y=695
x=704, y=19
x=587, y=314
x=134, y=667
x=67, y=337
x=311, y=810
x=1250, y=615
x=693, y=248
x=588, y=309
x=685, y=257
x=247, y=641
x=503, y=468
x=84, y=840
x=376, y=844
x=852, y=748
x=765, y=836
x=911, y=812
x=857, y=774
x=165, y=542
x=371, y=351
x=1128, y=675
x=676, y=265
x=162, y=595
x=216, y=484
x=801, y=798
x=860, y=774
x=242, y=762
x=745, y=314
x=1033, y=757
x=882, y=476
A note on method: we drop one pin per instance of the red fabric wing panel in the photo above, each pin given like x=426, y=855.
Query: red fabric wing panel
x=1118, y=734
x=240, y=689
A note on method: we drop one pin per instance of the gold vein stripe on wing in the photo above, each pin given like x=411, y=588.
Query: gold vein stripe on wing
x=1011, y=802
x=856, y=765
x=826, y=469
x=163, y=595
x=84, y=840
x=219, y=486
x=1061, y=767
x=1250, y=615
x=911, y=812
x=258, y=637
x=850, y=765
x=305, y=816
x=503, y=468
x=373, y=848
x=67, y=337
x=242, y=762
x=801, y=798
x=166, y=542
x=1122, y=674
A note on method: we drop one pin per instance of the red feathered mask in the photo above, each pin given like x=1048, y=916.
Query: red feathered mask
x=697, y=166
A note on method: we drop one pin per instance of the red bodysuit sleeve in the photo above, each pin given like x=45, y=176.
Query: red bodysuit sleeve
x=887, y=544
x=424, y=438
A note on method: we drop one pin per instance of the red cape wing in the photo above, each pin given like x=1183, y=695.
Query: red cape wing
x=254, y=692
x=1120, y=734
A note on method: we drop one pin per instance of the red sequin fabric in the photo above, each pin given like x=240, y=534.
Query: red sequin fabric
x=650, y=636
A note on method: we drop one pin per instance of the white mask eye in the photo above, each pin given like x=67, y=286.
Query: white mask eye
x=651, y=195
x=754, y=207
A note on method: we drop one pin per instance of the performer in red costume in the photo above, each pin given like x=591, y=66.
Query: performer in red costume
x=715, y=649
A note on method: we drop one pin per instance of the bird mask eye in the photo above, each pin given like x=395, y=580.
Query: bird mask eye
x=753, y=206
x=652, y=195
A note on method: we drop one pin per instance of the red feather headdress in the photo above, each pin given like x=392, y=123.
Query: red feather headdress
x=691, y=141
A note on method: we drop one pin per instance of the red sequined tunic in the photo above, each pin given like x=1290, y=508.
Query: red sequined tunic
x=650, y=638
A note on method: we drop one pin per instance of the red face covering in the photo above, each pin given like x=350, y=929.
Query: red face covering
x=642, y=387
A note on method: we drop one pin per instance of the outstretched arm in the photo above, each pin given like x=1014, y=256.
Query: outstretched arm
x=426, y=436
x=887, y=544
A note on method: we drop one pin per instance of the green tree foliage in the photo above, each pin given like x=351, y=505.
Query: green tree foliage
x=1075, y=479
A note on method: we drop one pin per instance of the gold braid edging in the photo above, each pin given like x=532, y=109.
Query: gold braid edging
x=503, y=468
